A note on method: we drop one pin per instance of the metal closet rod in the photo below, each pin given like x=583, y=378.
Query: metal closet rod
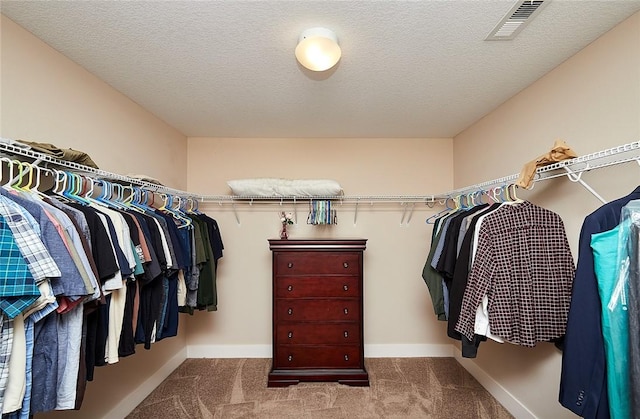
x=572, y=168
x=427, y=199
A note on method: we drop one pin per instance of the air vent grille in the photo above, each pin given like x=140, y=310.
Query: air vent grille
x=515, y=20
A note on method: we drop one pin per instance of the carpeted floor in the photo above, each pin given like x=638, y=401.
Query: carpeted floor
x=400, y=388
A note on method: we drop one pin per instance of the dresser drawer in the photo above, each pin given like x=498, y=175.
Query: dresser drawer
x=318, y=333
x=317, y=310
x=317, y=263
x=304, y=356
x=328, y=286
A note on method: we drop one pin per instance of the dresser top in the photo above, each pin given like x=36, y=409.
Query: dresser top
x=318, y=244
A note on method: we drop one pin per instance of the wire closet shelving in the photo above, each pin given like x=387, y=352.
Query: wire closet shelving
x=573, y=168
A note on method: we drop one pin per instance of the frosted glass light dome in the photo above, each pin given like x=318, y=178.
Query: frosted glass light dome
x=318, y=49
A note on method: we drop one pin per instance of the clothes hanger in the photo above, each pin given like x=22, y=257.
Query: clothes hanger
x=132, y=201
x=196, y=208
x=9, y=170
x=189, y=205
x=58, y=182
x=34, y=189
x=61, y=185
x=462, y=204
x=514, y=196
x=480, y=194
x=80, y=187
x=143, y=200
x=73, y=188
x=128, y=201
x=165, y=200
x=100, y=198
x=118, y=200
x=27, y=170
x=431, y=219
x=14, y=180
x=177, y=214
x=495, y=195
x=470, y=199
x=18, y=180
x=166, y=207
x=509, y=195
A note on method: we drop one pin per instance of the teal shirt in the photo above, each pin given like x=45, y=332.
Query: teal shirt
x=615, y=321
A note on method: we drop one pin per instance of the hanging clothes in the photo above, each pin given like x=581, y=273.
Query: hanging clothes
x=633, y=304
x=432, y=278
x=524, y=266
x=502, y=271
x=459, y=283
x=615, y=327
x=322, y=213
x=583, y=386
x=85, y=281
x=612, y=252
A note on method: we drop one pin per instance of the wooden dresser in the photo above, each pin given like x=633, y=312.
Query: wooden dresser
x=317, y=312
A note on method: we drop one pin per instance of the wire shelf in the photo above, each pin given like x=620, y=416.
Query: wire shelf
x=613, y=156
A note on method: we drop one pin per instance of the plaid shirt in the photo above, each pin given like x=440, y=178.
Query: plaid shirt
x=524, y=265
x=18, y=289
x=40, y=262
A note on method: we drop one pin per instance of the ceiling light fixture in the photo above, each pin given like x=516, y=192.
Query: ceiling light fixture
x=318, y=49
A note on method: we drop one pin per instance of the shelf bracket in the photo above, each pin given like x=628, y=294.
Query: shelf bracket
x=235, y=212
x=405, y=206
x=355, y=214
x=577, y=177
x=295, y=210
x=413, y=204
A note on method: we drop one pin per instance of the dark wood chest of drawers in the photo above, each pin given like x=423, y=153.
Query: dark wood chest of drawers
x=317, y=312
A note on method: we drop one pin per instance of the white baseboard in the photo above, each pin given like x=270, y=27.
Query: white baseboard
x=370, y=351
x=228, y=351
x=136, y=397
x=407, y=350
x=501, y=394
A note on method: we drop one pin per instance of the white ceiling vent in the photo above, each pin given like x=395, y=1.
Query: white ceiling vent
x=516, y=19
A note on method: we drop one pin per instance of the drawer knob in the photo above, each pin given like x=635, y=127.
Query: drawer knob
x=290, y=265
x=346, y=357
x=345, y=264
x=290, y=288
x=345, y=287
x=290, y=311
x=346, y=334
x=290, y=335
x=290, y=358
x=346, y=311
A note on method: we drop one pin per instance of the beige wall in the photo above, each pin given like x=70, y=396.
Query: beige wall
x=397, y=307
x=592, y=101
x=47, y=98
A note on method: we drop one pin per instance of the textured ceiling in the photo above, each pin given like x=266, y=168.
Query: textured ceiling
x=227, y=68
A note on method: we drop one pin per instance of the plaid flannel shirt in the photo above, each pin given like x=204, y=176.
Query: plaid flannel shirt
x=38, y=258
x=18, y=289
x=524, y=265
